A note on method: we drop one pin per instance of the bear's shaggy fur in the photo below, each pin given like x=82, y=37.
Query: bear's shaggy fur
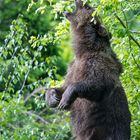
x=92, y=90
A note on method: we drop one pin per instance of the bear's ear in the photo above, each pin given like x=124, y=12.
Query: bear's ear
x=102, y=30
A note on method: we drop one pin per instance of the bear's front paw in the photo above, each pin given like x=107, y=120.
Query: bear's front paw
x=64, y=103
x=68, y=98
x=52, y=98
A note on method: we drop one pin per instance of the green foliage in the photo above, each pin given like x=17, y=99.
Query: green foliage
x=34, y=51
x=29, y=59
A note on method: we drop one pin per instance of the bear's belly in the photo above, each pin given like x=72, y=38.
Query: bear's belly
x=89, y=117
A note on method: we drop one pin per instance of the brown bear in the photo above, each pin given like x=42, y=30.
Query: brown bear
x=92, y=90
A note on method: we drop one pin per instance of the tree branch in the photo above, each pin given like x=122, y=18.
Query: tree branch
x=34, y=92
x=131, y=37
x=136, y=32
x=37, y=116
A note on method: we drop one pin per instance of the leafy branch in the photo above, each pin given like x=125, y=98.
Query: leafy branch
x=131, y=37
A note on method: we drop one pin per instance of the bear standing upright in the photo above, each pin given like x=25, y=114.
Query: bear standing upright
x=92, y=90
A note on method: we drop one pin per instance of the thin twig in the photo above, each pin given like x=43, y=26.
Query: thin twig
x=37, y=116
x=126, y=28
x=34, y=92
x=42, y=111
x=138, y=66
x=26, y=76
x=136, y=32
x=129, y=37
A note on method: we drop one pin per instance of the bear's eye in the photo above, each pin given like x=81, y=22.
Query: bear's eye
x=87, y=7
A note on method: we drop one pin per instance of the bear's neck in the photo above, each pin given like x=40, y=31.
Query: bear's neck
x=86, y=41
